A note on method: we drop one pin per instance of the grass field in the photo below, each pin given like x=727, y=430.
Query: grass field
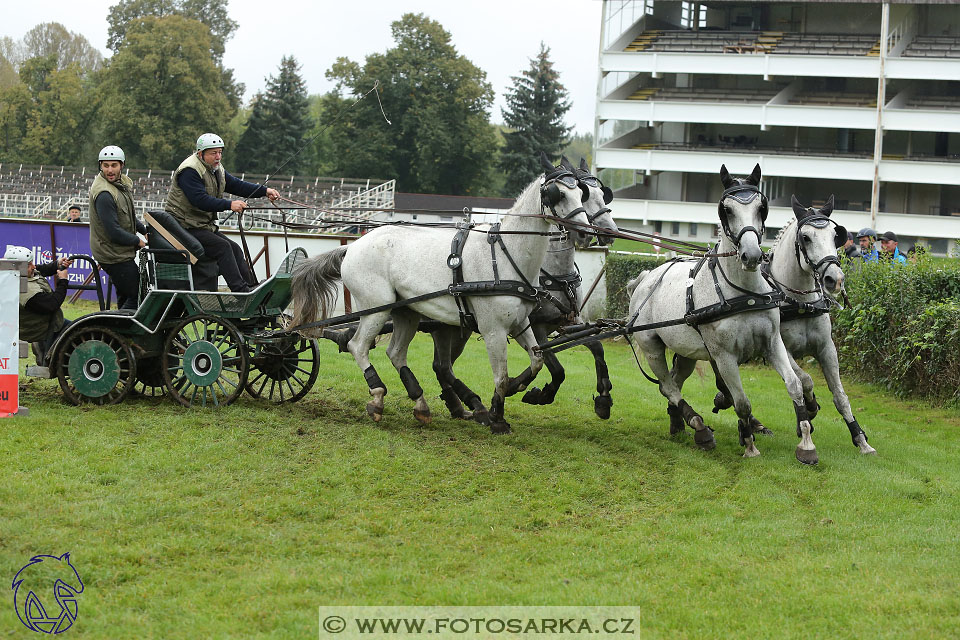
x=240, y=522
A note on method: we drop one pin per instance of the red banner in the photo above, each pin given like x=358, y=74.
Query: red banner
x=9, y=341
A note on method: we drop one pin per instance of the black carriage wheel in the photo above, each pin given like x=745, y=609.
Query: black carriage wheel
x=95, y=365
x=149, y=382
x=283, y=370
x=204, y=362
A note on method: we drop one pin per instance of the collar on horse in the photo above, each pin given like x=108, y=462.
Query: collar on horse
x=747, y=301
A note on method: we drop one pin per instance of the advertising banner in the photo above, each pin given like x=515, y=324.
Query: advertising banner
x=9, y=341
x=40, y=236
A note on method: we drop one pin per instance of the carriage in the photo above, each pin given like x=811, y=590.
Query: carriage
x=201, y=347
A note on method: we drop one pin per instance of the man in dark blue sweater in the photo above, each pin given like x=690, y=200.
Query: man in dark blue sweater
x=195, y=198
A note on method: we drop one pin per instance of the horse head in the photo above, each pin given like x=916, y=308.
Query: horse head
x=743, y=212
x=561, y=192
x=598, y=197
x=817, y=240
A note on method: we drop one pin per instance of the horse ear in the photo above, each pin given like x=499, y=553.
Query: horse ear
x=725, y=176
x=754, y=178
x=565, y=163
x=798, y=209
x=827, y=209
x=545, y=163
x=583, y=164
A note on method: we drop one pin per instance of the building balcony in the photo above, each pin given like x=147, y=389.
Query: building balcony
x=779, y=162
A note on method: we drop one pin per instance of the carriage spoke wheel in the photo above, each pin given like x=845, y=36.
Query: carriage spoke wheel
x=283, y=369
x=149, y=382
x=204, y=362
x=95, y=365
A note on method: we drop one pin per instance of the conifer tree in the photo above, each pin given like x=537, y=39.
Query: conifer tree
x=278, y=125
x=536, y=104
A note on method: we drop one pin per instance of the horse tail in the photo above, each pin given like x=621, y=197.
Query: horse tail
x=633, y=284
x=314, y=286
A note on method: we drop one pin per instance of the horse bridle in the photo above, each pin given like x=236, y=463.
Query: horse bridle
x=818, y=222
x=591, y=181
x=744, y=194
x=550, y=194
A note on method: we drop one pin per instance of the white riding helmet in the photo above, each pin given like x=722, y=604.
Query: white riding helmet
x=111, y=152
x=18, y=253
x=209, y=141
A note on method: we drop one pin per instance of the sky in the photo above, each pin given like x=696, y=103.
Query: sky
x=498, y=36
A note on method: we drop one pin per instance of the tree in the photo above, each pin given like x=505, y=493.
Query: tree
x=440, y=140
x=53, y=39
x=161, y=90
x=536, y=104
x=279, y=122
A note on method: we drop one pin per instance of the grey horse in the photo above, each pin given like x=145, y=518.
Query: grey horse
x=804, y=263
x=393, y=264
x=730, y=317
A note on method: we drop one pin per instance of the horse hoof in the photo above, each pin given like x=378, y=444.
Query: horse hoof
x=375, y=412
x=704, y=439
x=423, y=416
x=461, y=415
x=751, y=452
x=758, y=427
x=483, y=417
x=532, y=396
x=720, y=402
x=865, y=448
x=601, y=406
x=499, y=428
x=807, y=456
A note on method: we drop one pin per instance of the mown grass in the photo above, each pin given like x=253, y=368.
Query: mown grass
x=240, y=522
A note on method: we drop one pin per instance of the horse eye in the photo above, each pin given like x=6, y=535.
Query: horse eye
x=806, y=238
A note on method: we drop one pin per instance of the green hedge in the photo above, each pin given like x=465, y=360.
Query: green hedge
x=902, y=328
x=621, y=269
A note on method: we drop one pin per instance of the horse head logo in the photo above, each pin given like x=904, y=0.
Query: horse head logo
x=33, y=586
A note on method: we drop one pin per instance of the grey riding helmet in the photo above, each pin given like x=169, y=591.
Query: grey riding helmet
x=867, y=232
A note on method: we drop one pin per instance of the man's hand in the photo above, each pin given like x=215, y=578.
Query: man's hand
x=62, y=274
x=273, y=194
x=63, y=263
x=142, y=244
x=238, y=206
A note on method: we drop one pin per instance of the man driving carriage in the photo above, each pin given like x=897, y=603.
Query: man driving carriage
x=195, y=198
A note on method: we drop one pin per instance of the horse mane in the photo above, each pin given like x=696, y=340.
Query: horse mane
x=776, y=241
x=520, y=204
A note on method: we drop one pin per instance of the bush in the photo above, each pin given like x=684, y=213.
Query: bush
x=902, y=328
x=621, y=269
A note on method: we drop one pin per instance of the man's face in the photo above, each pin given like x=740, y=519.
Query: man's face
x=31, y=269
x=74, y=214
x=111, y=169
x=888, y=245
x=866, y=243
x=212, y=156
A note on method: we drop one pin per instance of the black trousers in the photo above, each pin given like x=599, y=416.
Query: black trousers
x=125, y=277
x=229, y=257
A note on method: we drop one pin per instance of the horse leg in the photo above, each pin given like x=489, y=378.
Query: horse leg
x=831, y=371
x=703, y=435
x=549, y=392
x=404, y=328
x=682, y=368
x=359, y=347
x=526, y=340
x=806, y=382
x=496, y=343
x=602, y=402
x=443, y=369
x=722, y=401
x=778, y=357
x=728, y=370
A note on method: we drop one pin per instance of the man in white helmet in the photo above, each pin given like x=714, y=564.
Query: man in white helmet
x=41, y=319
x=195, y=198
x=114, y=226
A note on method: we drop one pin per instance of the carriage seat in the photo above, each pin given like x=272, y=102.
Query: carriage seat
x=177, y=256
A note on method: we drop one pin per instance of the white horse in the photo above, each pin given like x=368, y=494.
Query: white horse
x=560, y=278
x=719, y=298
x=804, y=263
x=395, y=263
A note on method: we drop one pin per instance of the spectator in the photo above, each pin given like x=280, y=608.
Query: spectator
x=850, y=248
x=195, y=198
x=73, y=214
x=888, y=243
x=916, y=253
x=868, y=252
x=113, y=226
x=41, y=320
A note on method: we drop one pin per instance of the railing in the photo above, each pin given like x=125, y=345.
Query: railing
x=379, y=197
x=16, y=205
x=901, y=35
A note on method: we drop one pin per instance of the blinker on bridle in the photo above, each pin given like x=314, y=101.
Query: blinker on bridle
x=744, y=194
x=818, y=221
x=550, y=194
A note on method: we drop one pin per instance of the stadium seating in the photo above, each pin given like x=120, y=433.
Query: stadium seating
x=933, y=47
x=776, y=42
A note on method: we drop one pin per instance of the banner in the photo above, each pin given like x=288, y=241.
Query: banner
x=39, y=237
x=9, y=341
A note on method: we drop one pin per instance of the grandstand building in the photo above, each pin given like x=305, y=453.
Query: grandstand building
x=860, y=99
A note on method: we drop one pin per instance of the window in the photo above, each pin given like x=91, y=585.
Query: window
x=688, y=13
x=692, y=229
x=675, y=229
x=658, y=226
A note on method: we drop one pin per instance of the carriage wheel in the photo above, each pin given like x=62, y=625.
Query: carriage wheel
x=149, y=382
x=283, y=370
x=95, y=365
x=204, y=362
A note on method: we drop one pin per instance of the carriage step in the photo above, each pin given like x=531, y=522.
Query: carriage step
x=38, y=372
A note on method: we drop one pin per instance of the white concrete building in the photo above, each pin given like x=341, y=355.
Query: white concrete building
x=860, y=99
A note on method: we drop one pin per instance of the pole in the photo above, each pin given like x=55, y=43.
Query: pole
x=881, y=98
